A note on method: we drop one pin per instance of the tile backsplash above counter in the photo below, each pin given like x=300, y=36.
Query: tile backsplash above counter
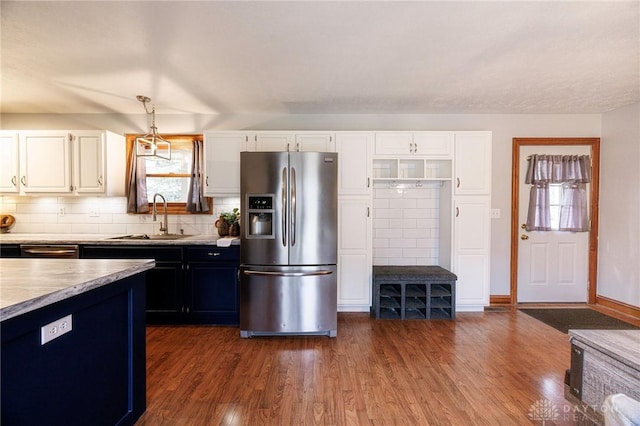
x=100, y=215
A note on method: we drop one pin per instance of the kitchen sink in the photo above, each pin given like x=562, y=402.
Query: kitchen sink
x=150, y=237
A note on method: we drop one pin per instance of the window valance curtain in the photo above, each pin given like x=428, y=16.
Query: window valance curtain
x=558, y=169
x=573, y=172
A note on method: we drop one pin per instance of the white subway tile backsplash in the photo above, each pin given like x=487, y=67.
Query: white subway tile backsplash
x=416, y=233
x=402, y=242
x=380, y=223
x=380, y=243
x=387, y=213
x=405, y=203
x=388, y=252
x=385, y=233
x=381, y=203
x=416, y=213
x=402, y=261
x=112, y=228
x=406, y=225
x=80, y=228
x=60, y=215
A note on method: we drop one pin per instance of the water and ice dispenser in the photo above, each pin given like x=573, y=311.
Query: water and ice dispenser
x=260, y=217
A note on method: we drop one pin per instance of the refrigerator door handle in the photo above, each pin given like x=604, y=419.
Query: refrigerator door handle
x=287, y=274
x=284, y=206
x=293, y=207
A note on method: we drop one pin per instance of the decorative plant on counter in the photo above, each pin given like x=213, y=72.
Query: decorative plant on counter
x=229, y=223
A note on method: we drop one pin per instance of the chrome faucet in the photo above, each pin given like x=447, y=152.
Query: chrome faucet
x=164, y=228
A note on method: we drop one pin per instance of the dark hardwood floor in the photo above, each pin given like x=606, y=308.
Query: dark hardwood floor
x=481, y=369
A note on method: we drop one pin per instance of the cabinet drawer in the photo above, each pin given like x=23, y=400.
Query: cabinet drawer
x=131, y=252
x=213, y=253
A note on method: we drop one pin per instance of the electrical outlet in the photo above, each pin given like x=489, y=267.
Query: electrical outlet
x=495, y=213
x=95, y=212
x=61, y=212
x=55, y=329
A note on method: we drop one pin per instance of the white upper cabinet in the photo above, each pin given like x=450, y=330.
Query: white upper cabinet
x=472, y=163
x=425, y=144
x=222, y=161
x=9, y=163
x=295, y=141
x=394, y=143
x=45, y=162
x=316, y=142
x=62, y=162
x=433, y=144
x=275, y=141
x=89, y=160
x=353, y=150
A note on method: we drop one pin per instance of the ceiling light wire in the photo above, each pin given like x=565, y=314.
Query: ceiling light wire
x=152, y=144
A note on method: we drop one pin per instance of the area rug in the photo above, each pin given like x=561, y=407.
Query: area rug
x=577, y=319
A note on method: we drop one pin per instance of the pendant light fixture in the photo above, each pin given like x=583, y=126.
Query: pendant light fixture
x=152, y=144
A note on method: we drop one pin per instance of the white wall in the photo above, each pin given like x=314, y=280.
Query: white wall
x=619, y=245
x=504, y=127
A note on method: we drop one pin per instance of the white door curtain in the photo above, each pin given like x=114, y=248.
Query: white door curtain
x=573, y=172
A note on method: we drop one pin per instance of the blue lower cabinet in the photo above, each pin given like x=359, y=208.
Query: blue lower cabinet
x=189, y=285
x=212, y=293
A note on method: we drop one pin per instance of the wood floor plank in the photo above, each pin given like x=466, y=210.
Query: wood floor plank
x=481, y=369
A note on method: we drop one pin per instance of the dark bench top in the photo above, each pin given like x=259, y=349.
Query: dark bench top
x=403, y=273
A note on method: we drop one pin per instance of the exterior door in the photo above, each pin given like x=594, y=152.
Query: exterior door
x=553, y=266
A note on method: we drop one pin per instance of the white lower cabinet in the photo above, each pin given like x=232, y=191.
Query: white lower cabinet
x=471, y=248
x=354, y=254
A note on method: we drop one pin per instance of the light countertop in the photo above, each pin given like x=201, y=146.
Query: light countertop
x=108, y=239
x=30, y=284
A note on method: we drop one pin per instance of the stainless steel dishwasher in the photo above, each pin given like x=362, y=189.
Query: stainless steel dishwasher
x=50, y=251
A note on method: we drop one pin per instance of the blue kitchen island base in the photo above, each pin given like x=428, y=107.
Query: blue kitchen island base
x=413, y=292
x=93, y=375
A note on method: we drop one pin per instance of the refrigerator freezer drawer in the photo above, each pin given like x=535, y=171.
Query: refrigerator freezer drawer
x=291, y=300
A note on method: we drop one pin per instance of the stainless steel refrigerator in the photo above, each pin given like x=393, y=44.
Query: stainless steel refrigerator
x=288, y=282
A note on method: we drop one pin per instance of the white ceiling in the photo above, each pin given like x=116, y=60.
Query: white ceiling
x=319, y=57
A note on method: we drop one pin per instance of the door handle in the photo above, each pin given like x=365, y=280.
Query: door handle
x=288, y=274
x=284, y=206
x=293, y=207
x=524, y=237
